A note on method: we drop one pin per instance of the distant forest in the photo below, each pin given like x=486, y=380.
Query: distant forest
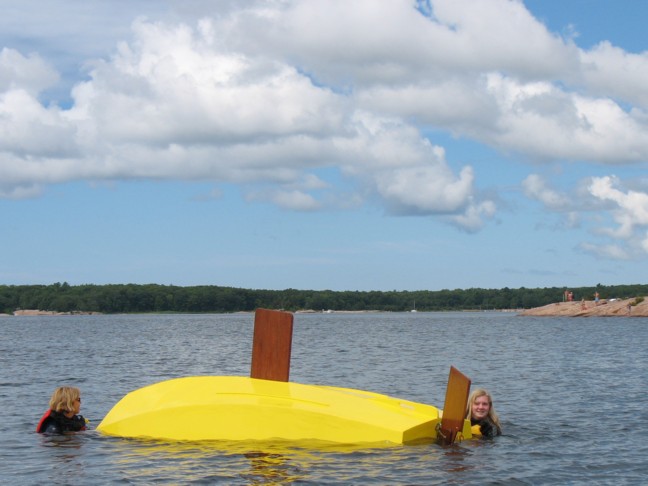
x=153, y=298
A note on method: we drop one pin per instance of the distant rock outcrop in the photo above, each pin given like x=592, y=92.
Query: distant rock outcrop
x=635, y=307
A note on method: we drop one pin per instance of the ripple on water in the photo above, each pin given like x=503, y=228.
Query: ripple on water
x=570, y=393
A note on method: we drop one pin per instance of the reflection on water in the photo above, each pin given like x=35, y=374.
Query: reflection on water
x=570, y=393
x=268, y=468
x=263, y=462
x=214, y=461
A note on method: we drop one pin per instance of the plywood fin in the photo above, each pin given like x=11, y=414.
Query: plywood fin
x=272, y=345
x=454, y=409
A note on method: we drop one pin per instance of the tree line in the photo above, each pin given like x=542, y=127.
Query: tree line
x=154, y=298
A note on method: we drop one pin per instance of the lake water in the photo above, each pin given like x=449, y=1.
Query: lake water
x=571, y=393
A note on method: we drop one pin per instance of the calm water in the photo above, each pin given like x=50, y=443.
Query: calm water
x=571, y=393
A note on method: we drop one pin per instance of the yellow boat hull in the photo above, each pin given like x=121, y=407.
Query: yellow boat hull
x=235, y=408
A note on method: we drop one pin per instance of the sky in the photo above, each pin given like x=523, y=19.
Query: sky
x=340, y=144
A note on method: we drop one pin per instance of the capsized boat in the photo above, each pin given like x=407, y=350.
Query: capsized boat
x=266, y=406
x=240, y=408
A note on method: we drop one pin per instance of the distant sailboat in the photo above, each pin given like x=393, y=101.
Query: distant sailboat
x=414, y=308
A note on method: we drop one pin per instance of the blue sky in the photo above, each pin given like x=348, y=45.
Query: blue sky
x=344, y=145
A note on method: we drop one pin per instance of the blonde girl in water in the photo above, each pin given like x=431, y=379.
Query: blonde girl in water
x=482, y=415
x=63, y=414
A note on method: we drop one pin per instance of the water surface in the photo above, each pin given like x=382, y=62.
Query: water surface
x=570, y=392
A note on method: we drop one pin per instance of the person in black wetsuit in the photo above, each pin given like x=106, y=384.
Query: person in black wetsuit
x=63, y=414
x=480, y=412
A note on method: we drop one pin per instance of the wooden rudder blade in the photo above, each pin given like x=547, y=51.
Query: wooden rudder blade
x=454, y=409
x=272, y=344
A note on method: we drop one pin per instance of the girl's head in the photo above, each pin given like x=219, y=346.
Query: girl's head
x=480, y=406
x=66, y=399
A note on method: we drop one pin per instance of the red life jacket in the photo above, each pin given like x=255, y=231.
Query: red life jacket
x=40, y=428
x=41, y=423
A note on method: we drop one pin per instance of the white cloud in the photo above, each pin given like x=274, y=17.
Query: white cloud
x=293, y=200
x=545, y=122
x=30, y=131
x=174, y=105
x=599, y=202
x=612, y=252
x=644, y=242
x=484, y=69
x=535, y=187
x=473, y=218
x=410, y=174
x=31, y=74
x=269, y=93
x=175, y=86
x=610, y=71
x=631, y=206
x=494, y=35
x=23, y=191
x=425, y=189
x=367, y=43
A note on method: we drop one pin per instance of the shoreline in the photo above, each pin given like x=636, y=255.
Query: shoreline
x=589, y=308
x=584, y=308
x=36, y=312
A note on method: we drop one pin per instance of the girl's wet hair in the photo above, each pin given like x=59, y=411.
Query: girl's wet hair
x=63, y=398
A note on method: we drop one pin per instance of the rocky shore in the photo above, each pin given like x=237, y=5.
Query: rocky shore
x=635, y=307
